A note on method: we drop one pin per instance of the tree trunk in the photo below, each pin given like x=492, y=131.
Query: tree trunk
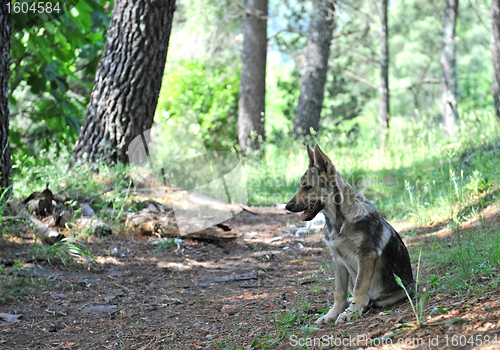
x=495, y=53
x=449, y=79
x=308, y=112
x=5, y=35
x=252, y=101
x=128, y=79
x=384, y=111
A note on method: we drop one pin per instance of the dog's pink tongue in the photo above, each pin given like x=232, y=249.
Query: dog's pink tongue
x=303, y=215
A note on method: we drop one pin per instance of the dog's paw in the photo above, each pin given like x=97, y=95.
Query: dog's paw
x=348, y=315
x=326, y=319
x=345, y=316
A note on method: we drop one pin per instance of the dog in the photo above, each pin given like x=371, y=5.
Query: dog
x=365, y=249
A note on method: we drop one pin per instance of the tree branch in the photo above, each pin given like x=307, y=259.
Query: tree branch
x=426, y=81
x=430, y=61
x=358, y=78
x=420, y=82
x=347, y=33
x=285, y=31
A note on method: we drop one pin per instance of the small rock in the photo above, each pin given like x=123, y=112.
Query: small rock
x=65, y=217
x=101, y=309
x=10, y=318
x=108, y=298
x=61, y=295
x=87, y=211
x=252, y=234
x=56, y=327
x=301, y=231
x=112, y=271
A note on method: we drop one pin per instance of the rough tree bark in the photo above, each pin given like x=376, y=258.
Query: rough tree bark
x=5, y=35
x=252, y=106
x=128, y=79
x=384, y=110
x=449, y=79
x=495, y=53
x=308, y=111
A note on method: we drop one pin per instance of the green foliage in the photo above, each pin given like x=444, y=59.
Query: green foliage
x=65, y=251
x=282, y=94
x=53, y=64
x=52, y=167
x=471, y=258
x=293, y=19
x=208, y=32
x=415, y=36
x=208, y=93
x=15, y=282
x=344, y=99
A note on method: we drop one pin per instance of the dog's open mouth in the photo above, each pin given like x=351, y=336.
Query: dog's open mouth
x=311, y=211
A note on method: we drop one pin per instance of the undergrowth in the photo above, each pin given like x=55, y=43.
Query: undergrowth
x=15, y=282
x=467, y=263
x=66, y=251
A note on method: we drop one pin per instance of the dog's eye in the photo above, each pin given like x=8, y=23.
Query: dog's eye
x=307, y=188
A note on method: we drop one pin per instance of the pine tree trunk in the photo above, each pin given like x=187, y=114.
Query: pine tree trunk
x=449, y=79
x=495, y=53
x=384, y=111
x=128, y=79
x=5, y=36
x=308, y=112
x=252, y=101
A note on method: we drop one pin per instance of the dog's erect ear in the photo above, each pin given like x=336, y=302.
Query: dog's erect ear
x=322, y=162
x=310, y=153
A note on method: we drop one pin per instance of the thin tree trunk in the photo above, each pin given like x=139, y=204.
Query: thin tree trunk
x=128, y=79
x=308, y=111
x=5, y=36
x=449, y=79
x=495, y=53
x=252, y=101
x=384, y=111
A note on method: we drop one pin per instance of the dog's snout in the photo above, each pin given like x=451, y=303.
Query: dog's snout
x=289, y=206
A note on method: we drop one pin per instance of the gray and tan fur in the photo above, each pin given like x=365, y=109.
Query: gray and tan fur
x=365, y=249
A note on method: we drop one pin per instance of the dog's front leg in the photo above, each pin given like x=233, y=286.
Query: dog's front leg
x=340, y=294
x=360, y=299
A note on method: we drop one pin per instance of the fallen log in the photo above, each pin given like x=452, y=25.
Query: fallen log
x=211, y=234
x=152, y=222
x=49, y=236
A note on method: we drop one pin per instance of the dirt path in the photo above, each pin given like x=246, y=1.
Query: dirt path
x=222, y=296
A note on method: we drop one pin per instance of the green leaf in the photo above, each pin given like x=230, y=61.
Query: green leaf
x=85, y=14
x=37, y=83
x=398, y=280
x=457, y=320
x=438, y=309
x=254, y=344
x=452, y=321
x=406, y=325
x=309, y=328
x=18, y=77
x=15, y=137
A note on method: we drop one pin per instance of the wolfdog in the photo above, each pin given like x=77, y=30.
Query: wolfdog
x=365, y=249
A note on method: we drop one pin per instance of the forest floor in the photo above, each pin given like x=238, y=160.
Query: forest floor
x=264, y=289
